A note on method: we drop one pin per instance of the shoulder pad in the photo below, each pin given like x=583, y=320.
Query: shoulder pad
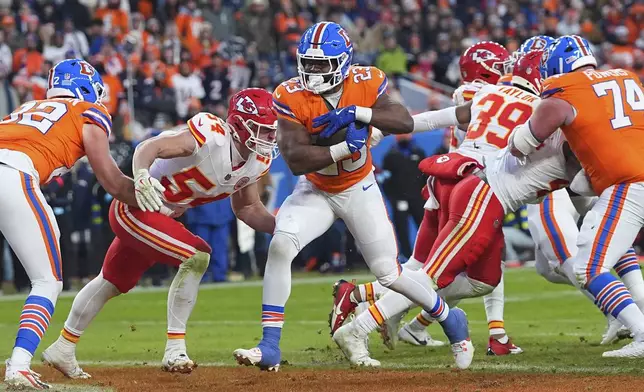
x=206, y=128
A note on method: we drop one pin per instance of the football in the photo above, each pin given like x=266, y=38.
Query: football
x=336, y=138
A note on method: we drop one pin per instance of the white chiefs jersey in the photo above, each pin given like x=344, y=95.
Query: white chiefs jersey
x=516, y=182
x=496, y=111
x=464, y=93
x=213, y=172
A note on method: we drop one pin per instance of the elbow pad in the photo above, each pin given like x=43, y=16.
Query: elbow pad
x=436, y=119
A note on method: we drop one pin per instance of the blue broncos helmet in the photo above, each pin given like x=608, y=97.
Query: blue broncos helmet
x=567, y=54
x=324, y=57
x=75, y=78
x=538, y=42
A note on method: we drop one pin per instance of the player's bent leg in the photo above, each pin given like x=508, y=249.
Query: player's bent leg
x=29, y=225
x=293, y=231
x=607, y=232
x=122, y=268
x=182, y=298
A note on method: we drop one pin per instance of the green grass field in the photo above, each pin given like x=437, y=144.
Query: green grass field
x=558, y=328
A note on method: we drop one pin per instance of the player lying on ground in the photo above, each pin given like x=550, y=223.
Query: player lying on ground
x=38, y=141
x=210, y=160
x=329, y=95
x=463, y=264
x=600, y=113
x=481, y=64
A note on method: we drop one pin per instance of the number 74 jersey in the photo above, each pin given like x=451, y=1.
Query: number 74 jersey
x=45, y=138
x=607, y=134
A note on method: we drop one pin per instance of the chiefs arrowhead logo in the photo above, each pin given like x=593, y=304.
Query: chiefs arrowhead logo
x=246, y=105
x=482, y=55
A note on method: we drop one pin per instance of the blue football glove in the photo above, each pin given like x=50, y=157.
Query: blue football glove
x=356, y=137
x=335, y=120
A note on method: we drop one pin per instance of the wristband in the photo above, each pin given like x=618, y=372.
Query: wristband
x=339, y=151
x=523, y=139
x=363, y=114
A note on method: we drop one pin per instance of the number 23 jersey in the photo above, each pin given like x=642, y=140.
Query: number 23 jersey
x=211, y=172
x=45, y=138
x=362, y=87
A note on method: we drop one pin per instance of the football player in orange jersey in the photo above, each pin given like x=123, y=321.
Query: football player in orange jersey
x=331, y=94
x=38, y=141
x=601, y=113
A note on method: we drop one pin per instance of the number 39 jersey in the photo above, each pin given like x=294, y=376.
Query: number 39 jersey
x=607, y=134
x=496, y=111
x=45, y=138
x=362, y=87
x=213, y=172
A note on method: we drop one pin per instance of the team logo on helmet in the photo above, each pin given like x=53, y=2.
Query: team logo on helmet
x=246, y=105
x=537, y=44
x=86, y=69
x=483, y=54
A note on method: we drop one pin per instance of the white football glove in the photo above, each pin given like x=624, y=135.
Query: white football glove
x=148, y=191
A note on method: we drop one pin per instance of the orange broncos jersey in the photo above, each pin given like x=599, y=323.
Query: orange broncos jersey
x=362, y=87
x=607, y=134
x=50, y=133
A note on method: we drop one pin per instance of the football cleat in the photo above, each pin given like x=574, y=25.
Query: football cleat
x=342, y=305
x=354, y=347
x=631, y=350
x=463, y=353
x=253, y=357
x=177, y=362
x=21, y=379
x=65, y=363
x=418, y=338
x=494, y=347
x=615, y=331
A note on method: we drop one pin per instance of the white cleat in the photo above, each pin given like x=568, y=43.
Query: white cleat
x=631, y=350
x=463, y=353
x=177, y=362
x=418, y=338
x=354, y=347
x=65, y=363
x=389, y=330
x=615, y=331
x=253, y=357
x=23, y=379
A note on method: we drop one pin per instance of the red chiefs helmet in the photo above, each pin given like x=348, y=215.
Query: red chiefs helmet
x=484, y=61
x=254, y=121
x=526, y=72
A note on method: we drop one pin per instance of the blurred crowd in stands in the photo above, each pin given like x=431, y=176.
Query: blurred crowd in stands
x=164, y=60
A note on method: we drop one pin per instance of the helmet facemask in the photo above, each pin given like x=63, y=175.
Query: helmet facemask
x=255, y=142
x=320, y=82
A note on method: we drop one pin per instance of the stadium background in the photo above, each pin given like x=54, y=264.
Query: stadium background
x=165, y=60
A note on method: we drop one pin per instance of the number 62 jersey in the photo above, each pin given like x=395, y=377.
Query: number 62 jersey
x=213, y=172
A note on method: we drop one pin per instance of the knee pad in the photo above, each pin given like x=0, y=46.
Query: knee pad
x=197, y=263
x=283, y=246
x=479, y=288
x=49, y=288
x=386, y=272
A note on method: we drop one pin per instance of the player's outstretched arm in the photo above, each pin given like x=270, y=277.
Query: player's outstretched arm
x=248, y=208
x=166, y=145
x=301, y=156
x=169, y=145
x=106, y=170
x=550, y=114
x=438, y=119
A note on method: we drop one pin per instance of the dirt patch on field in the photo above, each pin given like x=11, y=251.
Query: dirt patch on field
x=143, y=379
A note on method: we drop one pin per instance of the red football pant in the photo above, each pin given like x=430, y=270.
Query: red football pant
x=143, y=239
x=471, y=240
x=433, y=220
